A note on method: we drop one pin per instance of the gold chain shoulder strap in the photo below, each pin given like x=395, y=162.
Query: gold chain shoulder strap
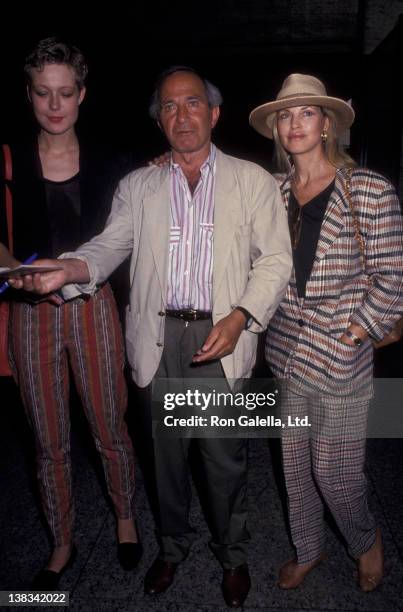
x=357, y=233
x=397, y=331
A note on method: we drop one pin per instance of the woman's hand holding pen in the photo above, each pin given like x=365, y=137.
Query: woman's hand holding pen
x=41, y=282
x=71, y=271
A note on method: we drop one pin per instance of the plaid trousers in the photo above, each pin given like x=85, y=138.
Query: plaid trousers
x=325, y=463
x=86, y=334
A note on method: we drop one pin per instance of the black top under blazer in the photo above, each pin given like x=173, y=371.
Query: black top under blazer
x=100, y=172
x=303, y=341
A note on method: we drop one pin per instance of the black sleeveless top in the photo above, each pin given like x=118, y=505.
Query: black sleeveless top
x=64, y=212
x=41, y=207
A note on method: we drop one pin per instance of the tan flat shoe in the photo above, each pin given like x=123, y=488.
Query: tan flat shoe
x=370, y=566
x=292, y=574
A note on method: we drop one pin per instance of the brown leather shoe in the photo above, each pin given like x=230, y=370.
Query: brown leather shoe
x=292, y=574
x=159, y=577
x=370, y=566
x=235, y=585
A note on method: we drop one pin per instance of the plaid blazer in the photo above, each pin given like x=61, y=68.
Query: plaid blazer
x=302, y=342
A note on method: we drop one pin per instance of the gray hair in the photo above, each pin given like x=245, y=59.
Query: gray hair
x=214, y=97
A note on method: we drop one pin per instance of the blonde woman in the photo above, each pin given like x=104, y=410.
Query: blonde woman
x=345, y=292
x=62, y=191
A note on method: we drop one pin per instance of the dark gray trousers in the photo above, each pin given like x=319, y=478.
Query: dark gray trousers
x=224, y=463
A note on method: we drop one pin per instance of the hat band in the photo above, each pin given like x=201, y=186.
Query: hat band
x=301, y=95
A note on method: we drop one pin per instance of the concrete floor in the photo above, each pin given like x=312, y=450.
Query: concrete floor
x=96, y=581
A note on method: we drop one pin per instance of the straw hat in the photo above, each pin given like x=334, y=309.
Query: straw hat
x=300, y=90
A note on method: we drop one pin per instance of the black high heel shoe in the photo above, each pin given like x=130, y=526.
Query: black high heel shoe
x=47, y=580
x=130, y=553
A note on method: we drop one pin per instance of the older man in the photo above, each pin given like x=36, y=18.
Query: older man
x=208, y=238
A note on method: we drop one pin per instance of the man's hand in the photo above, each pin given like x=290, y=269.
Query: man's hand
x=223, y=337
x=73, y=271
x=161, y=160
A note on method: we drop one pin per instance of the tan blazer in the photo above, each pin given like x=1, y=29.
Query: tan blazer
x=251, y=251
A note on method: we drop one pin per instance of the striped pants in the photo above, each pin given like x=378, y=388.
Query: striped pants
x=325, y=463
x=86, y=334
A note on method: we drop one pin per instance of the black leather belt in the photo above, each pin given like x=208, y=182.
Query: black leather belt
x=189, y=314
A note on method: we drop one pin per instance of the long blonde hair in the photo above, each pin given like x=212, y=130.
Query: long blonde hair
x=333, y=150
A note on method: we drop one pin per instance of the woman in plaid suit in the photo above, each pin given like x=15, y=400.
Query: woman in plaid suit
x=345, y=292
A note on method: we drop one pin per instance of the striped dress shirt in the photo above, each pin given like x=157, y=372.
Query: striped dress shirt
x=190, y=266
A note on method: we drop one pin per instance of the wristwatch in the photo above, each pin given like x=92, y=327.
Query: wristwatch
x=357, y=341
x=249, y=318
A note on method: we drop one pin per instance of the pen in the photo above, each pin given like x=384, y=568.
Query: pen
x=31, y=258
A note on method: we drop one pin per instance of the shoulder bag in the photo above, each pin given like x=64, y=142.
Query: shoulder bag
x=4, y=305
x=396, y=333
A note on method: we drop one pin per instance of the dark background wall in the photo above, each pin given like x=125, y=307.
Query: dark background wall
x=246, y=47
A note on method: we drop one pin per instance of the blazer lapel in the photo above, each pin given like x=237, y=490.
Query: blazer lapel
x=226, y=216
x=333, y=221
x=332, y=224
x=285, y=188
x=157, y=213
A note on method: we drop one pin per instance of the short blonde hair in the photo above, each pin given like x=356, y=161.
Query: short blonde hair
x=55, y=51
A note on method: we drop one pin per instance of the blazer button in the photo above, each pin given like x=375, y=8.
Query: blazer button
x=161, y=313
x=159, y=344
x=301, y=322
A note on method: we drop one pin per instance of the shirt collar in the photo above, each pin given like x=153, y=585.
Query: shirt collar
x=209, y=165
